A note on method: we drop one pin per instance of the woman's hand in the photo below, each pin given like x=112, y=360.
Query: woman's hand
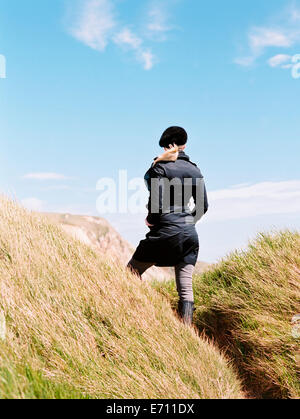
x=170, y=154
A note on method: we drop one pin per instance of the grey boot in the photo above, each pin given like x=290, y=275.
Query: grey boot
x=186, y=311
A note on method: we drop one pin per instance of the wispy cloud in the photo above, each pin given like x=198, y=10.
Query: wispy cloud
x=253, y=200
x=147, y=59
x=45, y=176
x=95, y=24
x=262, y=38
x=283, y=35
x=280, y=60
x=158, y=20
x=127, y=39
x=98, y=24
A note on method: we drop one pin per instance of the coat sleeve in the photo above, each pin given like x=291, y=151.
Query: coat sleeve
x=200, y=199
x=156, y=172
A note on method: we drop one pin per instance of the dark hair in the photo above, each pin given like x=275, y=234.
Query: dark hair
x=173, y=135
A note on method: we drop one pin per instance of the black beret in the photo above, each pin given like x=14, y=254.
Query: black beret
x=173, y=135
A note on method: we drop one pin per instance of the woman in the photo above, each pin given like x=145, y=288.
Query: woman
x=173, y=180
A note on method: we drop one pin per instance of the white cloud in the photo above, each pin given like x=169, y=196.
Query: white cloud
x=157, y=21
x=285, y=34
x=264, y=198
x=94, y=23
x=261, y=38
x=280, y=60
x=33, y=204
x=128, y=38
x=45, y=176
x=147, y=58
x=96, y=26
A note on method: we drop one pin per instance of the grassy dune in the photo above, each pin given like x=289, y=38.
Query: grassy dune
x=80, y=327
x=247, y=303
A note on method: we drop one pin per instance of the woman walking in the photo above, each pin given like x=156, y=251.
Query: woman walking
x=174, y=184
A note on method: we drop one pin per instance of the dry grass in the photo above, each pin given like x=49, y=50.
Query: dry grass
x=247, y=303
x=82, y=327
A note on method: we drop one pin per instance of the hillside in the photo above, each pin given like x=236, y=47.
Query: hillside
x=103, y=238
x=77, y=326
x=248, y=304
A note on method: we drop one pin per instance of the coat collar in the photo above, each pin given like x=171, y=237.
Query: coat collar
x=183, y=156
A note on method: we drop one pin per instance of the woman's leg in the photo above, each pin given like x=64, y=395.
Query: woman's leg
x=184, y=281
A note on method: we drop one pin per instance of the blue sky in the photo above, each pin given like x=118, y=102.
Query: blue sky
x=91, y=85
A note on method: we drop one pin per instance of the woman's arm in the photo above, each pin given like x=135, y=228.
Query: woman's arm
x=200, y=199
x=152, y=178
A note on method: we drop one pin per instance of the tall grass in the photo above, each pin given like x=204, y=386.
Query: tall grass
x=82, y=327
x=247, y=303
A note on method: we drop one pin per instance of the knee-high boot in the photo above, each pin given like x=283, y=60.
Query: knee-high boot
x=186, y=311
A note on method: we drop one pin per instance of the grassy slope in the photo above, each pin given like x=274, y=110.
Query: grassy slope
x=247, y=303
x=78, y=328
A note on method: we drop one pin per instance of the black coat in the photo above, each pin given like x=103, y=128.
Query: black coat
x=173, y=239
